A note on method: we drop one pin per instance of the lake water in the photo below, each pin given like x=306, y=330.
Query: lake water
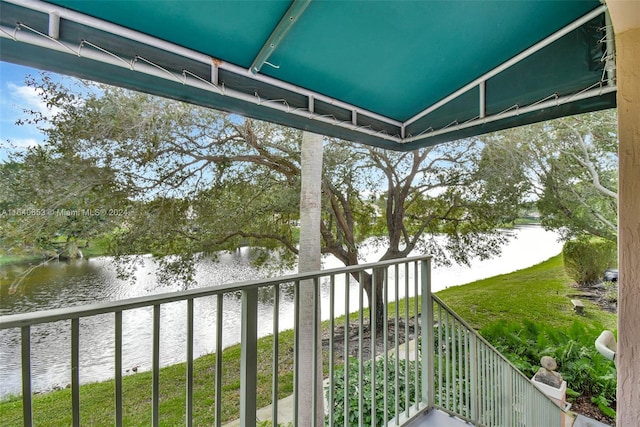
x=63, y=284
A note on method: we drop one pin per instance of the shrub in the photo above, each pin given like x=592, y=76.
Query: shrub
x=586, y=259
x=585, y=370
x=354, y=394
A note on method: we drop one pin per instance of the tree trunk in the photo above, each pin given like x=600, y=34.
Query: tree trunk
x=367, y=282
x=309, y=260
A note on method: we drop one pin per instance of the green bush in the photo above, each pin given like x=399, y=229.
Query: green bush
x=585, y=370
x=586, y=259
x=354, y=394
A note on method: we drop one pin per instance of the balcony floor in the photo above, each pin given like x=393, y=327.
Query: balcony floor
x=436, y=418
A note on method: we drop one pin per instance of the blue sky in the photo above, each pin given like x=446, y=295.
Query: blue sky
x=14, y=97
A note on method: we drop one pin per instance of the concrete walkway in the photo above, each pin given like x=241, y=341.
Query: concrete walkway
x=582, y=421
x=285, y=413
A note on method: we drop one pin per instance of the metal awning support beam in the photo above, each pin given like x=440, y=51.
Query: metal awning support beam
x=139, y=37
x=318, y=107
x=515, y=111
x=279, y=33
x=524, y=54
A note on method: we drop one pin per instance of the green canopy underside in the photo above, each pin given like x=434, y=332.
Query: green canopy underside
x=389, y=60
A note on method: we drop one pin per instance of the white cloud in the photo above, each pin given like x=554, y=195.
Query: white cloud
x=25, y=97
x=24, y=142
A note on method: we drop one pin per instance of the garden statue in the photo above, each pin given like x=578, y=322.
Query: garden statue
x=546, y=374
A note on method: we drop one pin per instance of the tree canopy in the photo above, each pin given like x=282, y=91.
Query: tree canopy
x=194, y=181
x=570, y=167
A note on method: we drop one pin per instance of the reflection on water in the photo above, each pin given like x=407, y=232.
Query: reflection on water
x=64, y=284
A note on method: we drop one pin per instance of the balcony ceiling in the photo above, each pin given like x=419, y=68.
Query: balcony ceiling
x=396, y=74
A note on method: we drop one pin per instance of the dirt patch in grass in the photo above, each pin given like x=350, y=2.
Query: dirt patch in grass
x=605, y=295
x=353, y=341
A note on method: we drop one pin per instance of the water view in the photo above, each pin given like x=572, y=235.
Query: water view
x=79, y=282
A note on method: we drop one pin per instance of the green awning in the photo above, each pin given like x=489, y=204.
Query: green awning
x=396, y=74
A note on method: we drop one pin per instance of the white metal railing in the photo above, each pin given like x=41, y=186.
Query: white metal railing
x=398, y=278
x=473, y=381
x=374, y=376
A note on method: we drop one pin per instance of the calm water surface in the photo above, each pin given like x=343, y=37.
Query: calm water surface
x=64, y=284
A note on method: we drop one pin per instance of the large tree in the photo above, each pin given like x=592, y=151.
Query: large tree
x=570, y=166
x=214, y=180
x=51, y=202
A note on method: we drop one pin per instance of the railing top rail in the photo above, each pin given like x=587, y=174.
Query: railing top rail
x=54, y=315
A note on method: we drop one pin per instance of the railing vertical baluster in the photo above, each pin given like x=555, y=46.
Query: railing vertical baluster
x=346, y=397
x=495, y=389
x=467, y=370
x=427, y=335
x=385, y=341
x=275, y=354
x=249, y=357
x=440, y=332
x=218, y=378
x=189, y=378
x=454, y=355
x=460, y=386
x=397, y=343
x=155, y=396
x=510, y=396
x=296, y=349
x=406, y=347
x=486, y=414
x=447, y=355
x=373, y=326
x=27, y=404
x=473, y=376
x=481, y=383
x=500, y=401
x=417, y=330
x=316, y=339
x=332, y=301
x=491, y=388
x=118, y=368
x=75, y=371
x=360, y=347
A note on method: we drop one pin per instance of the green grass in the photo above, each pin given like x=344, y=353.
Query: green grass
x=539, y=293
x=97, y=399
x=15, y=259
x=96, y=247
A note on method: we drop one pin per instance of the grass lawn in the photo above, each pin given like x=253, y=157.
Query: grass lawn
x=14, y=259
x=539, y=293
